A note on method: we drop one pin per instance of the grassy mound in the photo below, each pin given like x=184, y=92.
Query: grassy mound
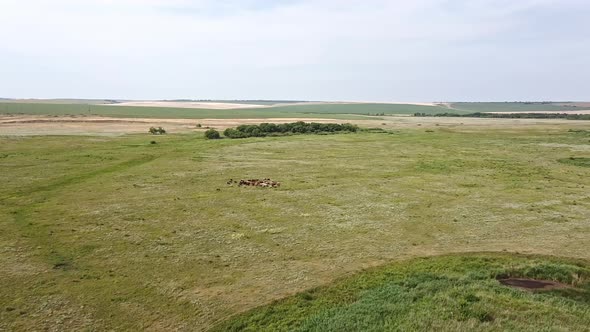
x=439, y=293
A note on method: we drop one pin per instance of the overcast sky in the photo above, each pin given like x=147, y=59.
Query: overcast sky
x=371, y=50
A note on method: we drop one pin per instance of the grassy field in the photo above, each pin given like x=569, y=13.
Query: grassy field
x=335, y=111
x=449, y=293
x=515, y=107
x=104, y=233
x=362, y=109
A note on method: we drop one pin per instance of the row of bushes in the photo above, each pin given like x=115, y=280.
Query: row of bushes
x=567, y=116
x=271, y=129
x=300, y=127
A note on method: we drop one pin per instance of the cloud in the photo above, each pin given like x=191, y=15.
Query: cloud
x=290, y=48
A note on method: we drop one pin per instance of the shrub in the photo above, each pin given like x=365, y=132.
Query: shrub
x=157, y=131
x=212, y=134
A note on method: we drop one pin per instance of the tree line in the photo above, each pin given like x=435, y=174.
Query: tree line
x=271, y=129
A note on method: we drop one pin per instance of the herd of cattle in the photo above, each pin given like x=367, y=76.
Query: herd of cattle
x=265, y=183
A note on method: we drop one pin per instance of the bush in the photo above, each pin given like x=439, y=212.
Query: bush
x=212, y=134
x=157, y=131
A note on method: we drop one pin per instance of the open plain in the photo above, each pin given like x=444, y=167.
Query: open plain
x=106, y=229
x=294, y=166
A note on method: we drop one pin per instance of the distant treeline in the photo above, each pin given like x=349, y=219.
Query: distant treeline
x=511, y=115
x=300, y=127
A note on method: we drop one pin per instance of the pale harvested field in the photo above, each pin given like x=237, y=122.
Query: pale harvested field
x=229, y=106
x=93, y=125
x=396, y=103
x=470, y=124
x=182, y=104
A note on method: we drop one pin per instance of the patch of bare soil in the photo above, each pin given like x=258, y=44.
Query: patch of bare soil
x=532, y=284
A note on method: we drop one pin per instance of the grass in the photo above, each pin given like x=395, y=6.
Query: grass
x=361, y=109
x=581, y=161
x=449, y=293
x=117, y=233
x=514, y=107
x=336, y=111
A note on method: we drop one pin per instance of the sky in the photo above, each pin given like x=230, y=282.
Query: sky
x=369, y=50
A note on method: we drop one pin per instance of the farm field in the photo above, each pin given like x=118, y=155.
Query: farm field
x=147, y=112
x=336, y=111
x=514, y=107
x=102, y=232
x=261, y=109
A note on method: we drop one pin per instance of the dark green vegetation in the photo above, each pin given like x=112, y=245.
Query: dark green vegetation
x=157, y=131
x=511, y=115
x=452, y=293
x=115, y=233
x=212, y=134
x=583, y=162
x=283, y=129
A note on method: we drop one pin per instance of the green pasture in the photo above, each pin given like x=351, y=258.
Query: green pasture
x=287, y=110
x=336, y=111
x=514, y=107
x=448, y=293
x=116, y=233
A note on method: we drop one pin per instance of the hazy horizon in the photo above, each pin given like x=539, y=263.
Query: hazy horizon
x=293, y=100
x=325, y=50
